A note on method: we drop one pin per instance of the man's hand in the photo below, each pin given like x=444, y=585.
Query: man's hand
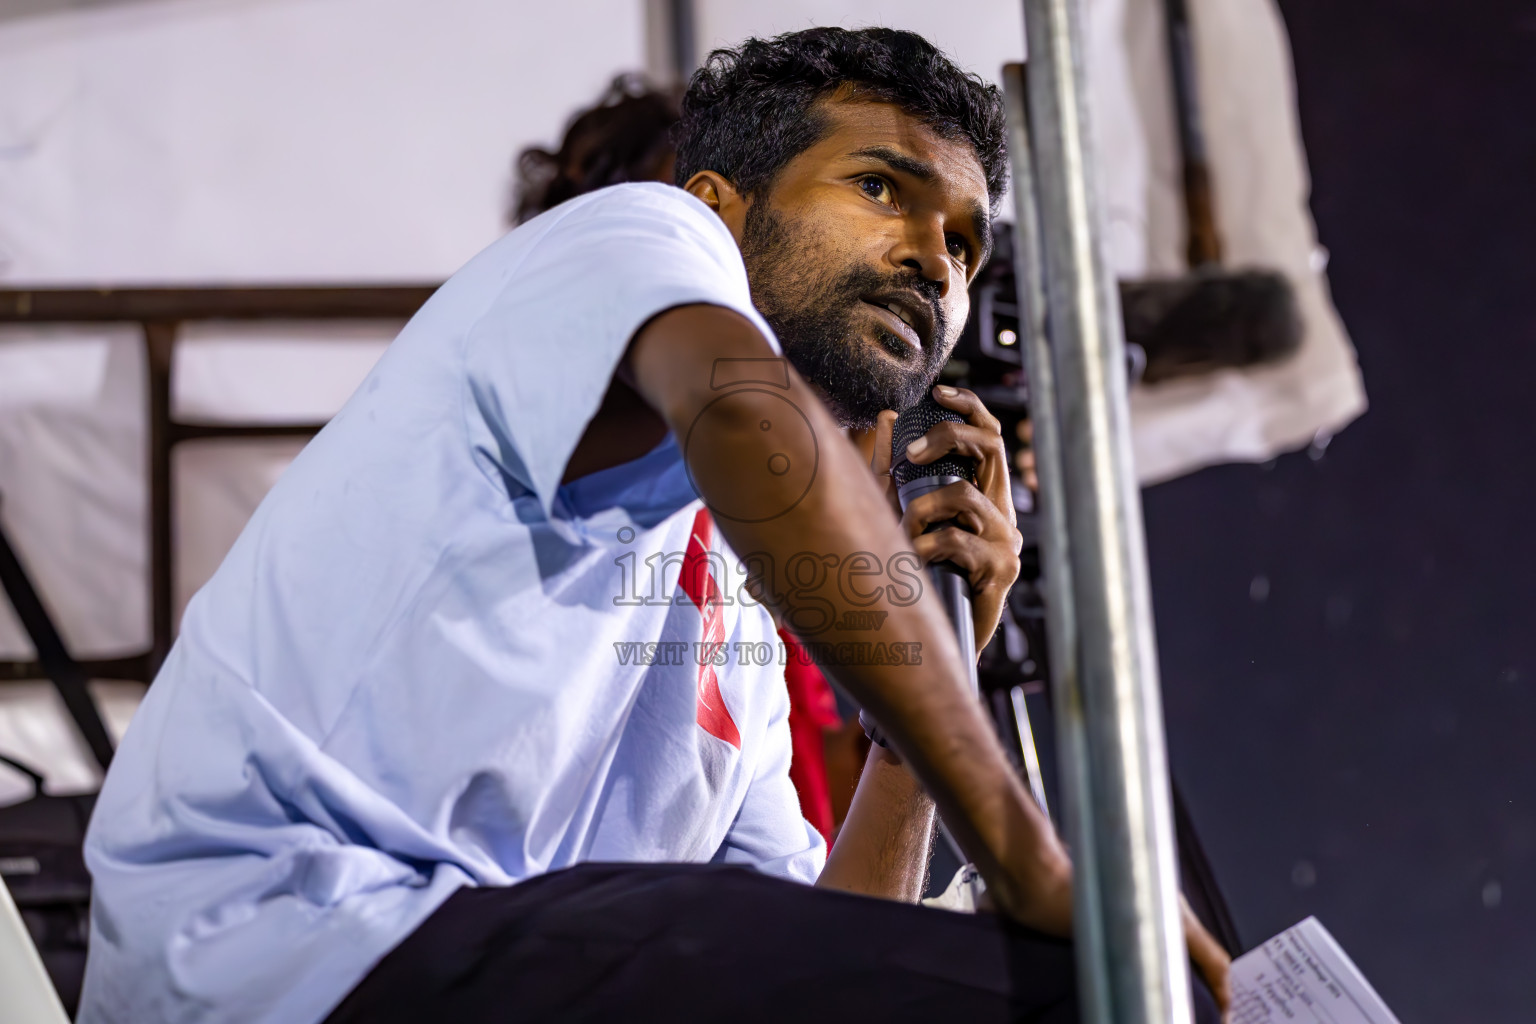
x=987, y=545
x=1053, y=915
x=926, y=707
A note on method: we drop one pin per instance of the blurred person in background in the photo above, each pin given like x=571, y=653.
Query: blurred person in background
x=625, y=136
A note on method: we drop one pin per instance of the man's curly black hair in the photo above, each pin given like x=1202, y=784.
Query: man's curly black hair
x=750, y=110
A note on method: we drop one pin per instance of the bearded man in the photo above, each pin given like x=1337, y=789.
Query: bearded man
x=474, y=722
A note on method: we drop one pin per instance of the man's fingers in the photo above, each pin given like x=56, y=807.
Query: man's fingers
x=986, y=542
x=1211, y=960
x=983, y=445
x=964, y=549
x=982, y=561
x=968, y=405
x=961, y=501
x=980, y=437
x=960, y=438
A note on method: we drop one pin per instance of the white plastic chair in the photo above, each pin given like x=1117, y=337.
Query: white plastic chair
x=26, y=994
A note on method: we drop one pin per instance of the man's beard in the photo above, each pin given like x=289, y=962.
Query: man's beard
x=813, y=317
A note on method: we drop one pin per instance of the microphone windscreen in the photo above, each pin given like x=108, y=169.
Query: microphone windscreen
x=913, y=424
x=1211, y=320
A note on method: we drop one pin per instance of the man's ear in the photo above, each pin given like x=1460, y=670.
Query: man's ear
x=721, y=196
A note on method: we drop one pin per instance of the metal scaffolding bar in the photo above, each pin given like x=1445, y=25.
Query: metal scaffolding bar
x=1130, y=947
x=1055, y=563
x=159, y=312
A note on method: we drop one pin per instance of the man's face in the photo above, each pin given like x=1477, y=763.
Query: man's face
x=860, y=254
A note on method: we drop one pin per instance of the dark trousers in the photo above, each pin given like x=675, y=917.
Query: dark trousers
x=681, y=943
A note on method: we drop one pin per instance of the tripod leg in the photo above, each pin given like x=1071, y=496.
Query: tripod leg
x=1027, y=751
x=65, y=673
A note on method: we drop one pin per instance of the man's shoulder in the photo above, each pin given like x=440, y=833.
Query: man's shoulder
x=659, y=225
x=622, y=228
x=642, y=206
x=635, y=196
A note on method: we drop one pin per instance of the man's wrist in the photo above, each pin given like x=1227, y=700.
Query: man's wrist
x=882, y=849
x=1038, y=893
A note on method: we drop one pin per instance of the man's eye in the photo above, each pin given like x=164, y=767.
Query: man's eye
x=959, y=250
x=877, y=189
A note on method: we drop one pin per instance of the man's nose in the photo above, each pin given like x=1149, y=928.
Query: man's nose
x=923, y=248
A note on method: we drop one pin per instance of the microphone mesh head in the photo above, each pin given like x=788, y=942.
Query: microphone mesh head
x=913, y=424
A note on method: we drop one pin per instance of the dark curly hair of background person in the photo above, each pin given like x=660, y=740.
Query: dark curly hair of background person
x=622, y=138
x=750, y=110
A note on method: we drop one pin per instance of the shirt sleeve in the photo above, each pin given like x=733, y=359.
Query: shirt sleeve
x=769, y=833
x=583, y=280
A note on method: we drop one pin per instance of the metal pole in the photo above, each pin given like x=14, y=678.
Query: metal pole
x=160, y=349
x=685, y=48
x=1131, y=956
x=1055, y=561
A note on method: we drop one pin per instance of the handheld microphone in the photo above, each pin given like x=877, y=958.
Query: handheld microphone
x=949, y=581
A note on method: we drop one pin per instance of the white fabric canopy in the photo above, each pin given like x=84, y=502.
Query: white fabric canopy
x=237, y=141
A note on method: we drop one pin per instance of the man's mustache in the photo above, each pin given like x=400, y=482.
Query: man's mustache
x=863, y=281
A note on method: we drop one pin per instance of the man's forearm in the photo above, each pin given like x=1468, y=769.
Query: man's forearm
x=923, y=704
x=882, y=849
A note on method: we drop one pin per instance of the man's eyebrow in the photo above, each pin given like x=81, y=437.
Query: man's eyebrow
x=899, y=161
x=981, y=218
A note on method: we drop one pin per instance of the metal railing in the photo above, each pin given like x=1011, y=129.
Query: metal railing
x=159, y=313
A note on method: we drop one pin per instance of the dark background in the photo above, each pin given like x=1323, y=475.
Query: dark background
x=1361, y=743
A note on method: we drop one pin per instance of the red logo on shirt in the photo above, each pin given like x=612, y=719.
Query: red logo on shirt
x=704, y=591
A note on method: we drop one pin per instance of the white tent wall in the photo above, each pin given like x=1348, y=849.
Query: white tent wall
x=252, y=141
x=237, y=141
x=282, y=140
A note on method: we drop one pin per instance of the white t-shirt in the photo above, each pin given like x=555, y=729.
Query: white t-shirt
x=416, y=669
